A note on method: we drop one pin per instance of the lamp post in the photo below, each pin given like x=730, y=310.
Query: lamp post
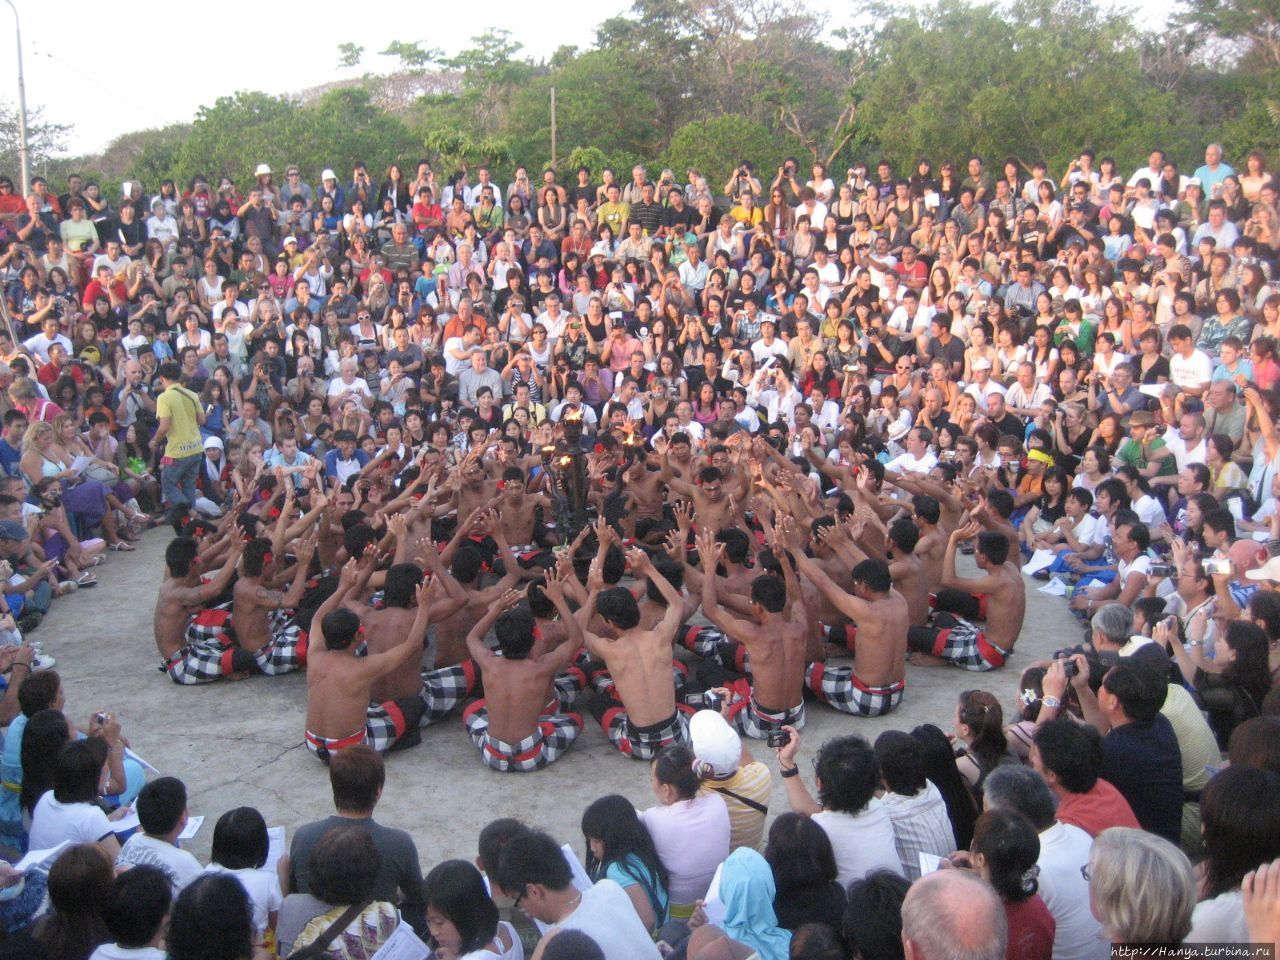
x=24, y=150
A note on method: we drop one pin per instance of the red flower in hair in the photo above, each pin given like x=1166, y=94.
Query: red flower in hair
x=599, y=448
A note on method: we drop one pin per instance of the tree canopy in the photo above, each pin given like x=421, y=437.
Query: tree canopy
x=709, y=82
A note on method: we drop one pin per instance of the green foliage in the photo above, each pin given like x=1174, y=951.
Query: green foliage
x=1039, y=80
x=409, y=53
x=349, y=55
x=239, y=132
x=715, y=146
x=45, y=140
x=706, y=83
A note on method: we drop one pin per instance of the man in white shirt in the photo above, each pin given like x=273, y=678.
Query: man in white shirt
x=768, y=345
x=853, y=818
x=910, y=319
x=534, y=871
x=457, y=351
x=1223, y=231
x=1190, y=370
x=1187, y=441
x=983, y=386
x=39, y=344
x=1151, y=172
x=919, y=458
x=1064, y=855
x=162, y=812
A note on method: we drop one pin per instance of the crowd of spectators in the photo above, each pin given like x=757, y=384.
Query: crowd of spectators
x=1079, y=372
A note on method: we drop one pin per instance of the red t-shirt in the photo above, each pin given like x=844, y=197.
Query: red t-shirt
x=1031, y=930
x=1102, y=807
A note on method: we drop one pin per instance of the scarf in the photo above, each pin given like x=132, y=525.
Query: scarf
x=747, y=889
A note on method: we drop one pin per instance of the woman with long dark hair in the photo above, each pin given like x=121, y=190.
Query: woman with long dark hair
x=1239, y=832
x=940, y=768
x=979, y=730
x=620, y=848
x=79, y=882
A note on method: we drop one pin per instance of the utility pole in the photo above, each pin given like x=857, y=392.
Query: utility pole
x=24, y=149
x=553, y=123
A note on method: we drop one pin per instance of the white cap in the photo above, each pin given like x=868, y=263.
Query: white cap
x=599, y=250
x=289, y=240
x=328, y=175
x=1268, y=571
x=262, y=170
x=898, y=429
x=714, y=741
x=212, y=442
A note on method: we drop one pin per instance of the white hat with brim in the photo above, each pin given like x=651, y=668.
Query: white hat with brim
x=1268, y=571
x=262, y=171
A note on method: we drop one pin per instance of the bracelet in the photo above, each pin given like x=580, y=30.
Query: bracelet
x=786, y=774
x=1052, y=702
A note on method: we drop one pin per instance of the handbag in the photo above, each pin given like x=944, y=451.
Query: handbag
x=320, y=944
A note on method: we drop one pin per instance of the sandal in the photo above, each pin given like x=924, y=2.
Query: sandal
x=64, y=587
x=122, y=546
x=97, y=561
x=87, y=580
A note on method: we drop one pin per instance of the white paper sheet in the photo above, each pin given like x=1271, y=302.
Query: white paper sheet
x=191, y=829
x=81, y=463
x=1152, y=389
x=127, y=822
x=1055, y=588
x=36, y=857
x=1040, y=560
x=276, y=848
x=581, y=880
x=403, y=944
x=929, y=862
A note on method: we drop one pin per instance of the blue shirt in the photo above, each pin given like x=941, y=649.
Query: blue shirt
x=9, y=458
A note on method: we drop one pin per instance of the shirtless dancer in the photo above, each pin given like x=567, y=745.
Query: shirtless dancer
x=341, y=711
x=521, y=517
x=515, y=727
x=639, y=662
x=875, y=683
x=467, y=565
x=262, y=617
x=181, y=595
x=998, y=596
x=774, y=638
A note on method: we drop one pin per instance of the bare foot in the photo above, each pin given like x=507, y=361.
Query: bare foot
x=238, y=675
x=924, y=660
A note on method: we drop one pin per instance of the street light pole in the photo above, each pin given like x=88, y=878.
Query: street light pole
x=24, y=149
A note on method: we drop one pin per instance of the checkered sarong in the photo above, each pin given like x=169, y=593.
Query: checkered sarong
x=383, y=725
x=710, y=644
x=753, y=720
x=567, y=685
x=959, y=642
x=212, y=624
x=286, y=651
x=445, y=688
x=556, y=731
x=201, y=662
x=643, y=743
x=838, y=687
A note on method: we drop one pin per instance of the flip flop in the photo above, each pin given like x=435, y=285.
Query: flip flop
x=97, y=561
x=87, y=580
x=122, y=546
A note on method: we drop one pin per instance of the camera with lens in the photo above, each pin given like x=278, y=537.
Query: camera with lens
x=778, y=738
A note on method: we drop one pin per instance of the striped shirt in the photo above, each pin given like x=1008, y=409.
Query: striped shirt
x=753, y=782
x=920, y=825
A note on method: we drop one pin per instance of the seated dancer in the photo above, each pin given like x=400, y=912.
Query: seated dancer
x=998, y=597
x=875, y=683
x=774, y=640
x=639, y=662
x=515, y=725
x=262, y=617
x=181, y=595
x=522, y=518
x=340, y=709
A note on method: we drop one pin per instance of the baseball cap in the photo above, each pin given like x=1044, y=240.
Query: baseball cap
x=91, y=355
x=12, y=530
x=981, y=363
x=262, y=170
x=289, y=240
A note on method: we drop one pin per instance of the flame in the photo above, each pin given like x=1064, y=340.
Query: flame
x=573, y=414
x=564, y=461
x=547, y=451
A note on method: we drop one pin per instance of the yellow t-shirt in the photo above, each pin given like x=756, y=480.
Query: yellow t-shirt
x=753, y=782
x=182, y=407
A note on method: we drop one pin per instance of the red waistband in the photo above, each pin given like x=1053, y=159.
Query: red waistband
x=340, y=744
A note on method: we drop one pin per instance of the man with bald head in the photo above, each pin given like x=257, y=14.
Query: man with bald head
x=953, y=915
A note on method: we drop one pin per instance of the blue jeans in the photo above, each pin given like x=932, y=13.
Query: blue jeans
x=178, y=480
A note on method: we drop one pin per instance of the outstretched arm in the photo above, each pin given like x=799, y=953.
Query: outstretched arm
x=475, y=639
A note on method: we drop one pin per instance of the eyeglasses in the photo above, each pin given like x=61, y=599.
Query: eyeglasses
x=520, y=896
